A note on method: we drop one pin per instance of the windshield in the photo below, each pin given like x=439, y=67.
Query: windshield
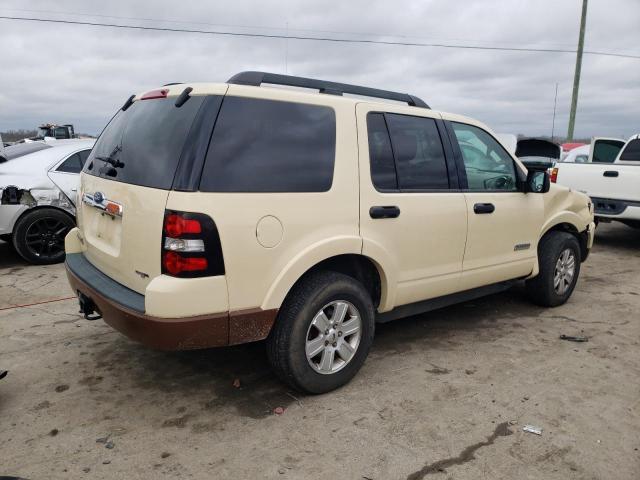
x=142, y=145
x=15, y=151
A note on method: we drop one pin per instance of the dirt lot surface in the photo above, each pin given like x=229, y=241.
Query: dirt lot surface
x=443, y=395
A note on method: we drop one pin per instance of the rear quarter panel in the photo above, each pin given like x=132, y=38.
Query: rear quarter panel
x=314, y=226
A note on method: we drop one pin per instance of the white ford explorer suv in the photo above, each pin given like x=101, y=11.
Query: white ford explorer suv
x=218, y=214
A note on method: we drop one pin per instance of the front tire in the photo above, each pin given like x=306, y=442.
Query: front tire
x=323, y=333
x=559, y=261
x=39, y=235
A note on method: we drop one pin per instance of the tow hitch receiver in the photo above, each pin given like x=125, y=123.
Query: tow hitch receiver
x=88, y=308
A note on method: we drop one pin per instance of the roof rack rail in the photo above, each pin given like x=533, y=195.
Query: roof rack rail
x=256, y=79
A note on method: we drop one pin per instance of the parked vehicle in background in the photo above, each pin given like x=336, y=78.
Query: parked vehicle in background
x=568, y=147
x=20, y=150
x=508, y=141
x=538, y=151
x=630, y=153
x=578, y=155
x=37, y=197
x=610, y=176
x=59, y=132
x=219, y=214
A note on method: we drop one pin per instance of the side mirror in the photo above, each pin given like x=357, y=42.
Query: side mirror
x=537, y=181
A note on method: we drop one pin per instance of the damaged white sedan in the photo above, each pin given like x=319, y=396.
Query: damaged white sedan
x=37, y=199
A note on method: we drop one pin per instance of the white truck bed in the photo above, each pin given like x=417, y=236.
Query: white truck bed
x=613, y=187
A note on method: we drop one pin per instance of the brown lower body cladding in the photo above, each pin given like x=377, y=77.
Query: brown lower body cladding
x=189, y=333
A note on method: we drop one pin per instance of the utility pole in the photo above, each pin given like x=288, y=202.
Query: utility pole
x=553, y=122
x=576, y=77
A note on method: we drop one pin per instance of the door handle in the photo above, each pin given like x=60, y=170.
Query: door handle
x=481, y=208
x=384, y=212
x=610, y=173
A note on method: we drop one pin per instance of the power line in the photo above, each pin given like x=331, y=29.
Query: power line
x=317, y=39
x=263, y=27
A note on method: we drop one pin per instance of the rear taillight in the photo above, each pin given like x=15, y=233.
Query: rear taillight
x=190, y=245
x=176, y=225
x=554, y=174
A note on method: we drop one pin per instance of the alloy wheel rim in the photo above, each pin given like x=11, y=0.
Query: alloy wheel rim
x=564, y=271
x=45, y=237
x=333, y=337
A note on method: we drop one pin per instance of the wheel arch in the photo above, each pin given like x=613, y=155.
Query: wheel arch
x=347, y=260
x=569, y=226
x=40, y=207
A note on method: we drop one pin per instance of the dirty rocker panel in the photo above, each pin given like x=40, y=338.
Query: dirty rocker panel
x=441, y=302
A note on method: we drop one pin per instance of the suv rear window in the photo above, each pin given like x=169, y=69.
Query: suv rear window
x=144, y=142
x=270, y=146
x=631, y=152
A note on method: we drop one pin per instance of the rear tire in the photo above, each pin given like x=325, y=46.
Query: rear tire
x=559, y=261
x=39, y=235
x=328, y=313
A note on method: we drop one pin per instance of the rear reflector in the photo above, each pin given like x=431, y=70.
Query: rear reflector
x=554, y=175
x=175, y=264
x=155, y=94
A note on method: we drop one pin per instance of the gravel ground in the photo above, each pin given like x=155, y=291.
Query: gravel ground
x=442, y=395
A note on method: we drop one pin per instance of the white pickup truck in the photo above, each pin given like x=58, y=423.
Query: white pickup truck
x=611, y=177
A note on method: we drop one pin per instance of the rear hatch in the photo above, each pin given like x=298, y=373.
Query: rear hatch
x=125, y=184
x=537, y=151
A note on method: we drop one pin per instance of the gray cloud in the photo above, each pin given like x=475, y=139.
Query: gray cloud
x=81, y=74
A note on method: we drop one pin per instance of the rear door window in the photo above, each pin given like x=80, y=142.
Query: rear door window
x=631, y=152
x=418, y=152
x=405, y=153
x=74, y=163
x=383, y=169
x=142, y=145
x=606, y=151
x=270, y=146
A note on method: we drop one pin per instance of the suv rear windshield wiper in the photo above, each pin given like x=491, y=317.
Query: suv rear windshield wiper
x=111, y=161
x=114, y=162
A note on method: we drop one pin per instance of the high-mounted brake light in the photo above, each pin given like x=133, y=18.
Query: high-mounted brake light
x=162, y=93
x=554, y=175
x=190, y=245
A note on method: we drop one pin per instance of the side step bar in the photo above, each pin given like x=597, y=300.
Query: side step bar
x=441, y=302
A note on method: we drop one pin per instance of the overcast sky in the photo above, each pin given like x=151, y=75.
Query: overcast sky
x=83, y=74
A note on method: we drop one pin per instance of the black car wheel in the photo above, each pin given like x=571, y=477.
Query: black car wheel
x=39, y=235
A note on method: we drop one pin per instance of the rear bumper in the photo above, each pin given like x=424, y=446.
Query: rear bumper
x=123, y=309
x=618, y=209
